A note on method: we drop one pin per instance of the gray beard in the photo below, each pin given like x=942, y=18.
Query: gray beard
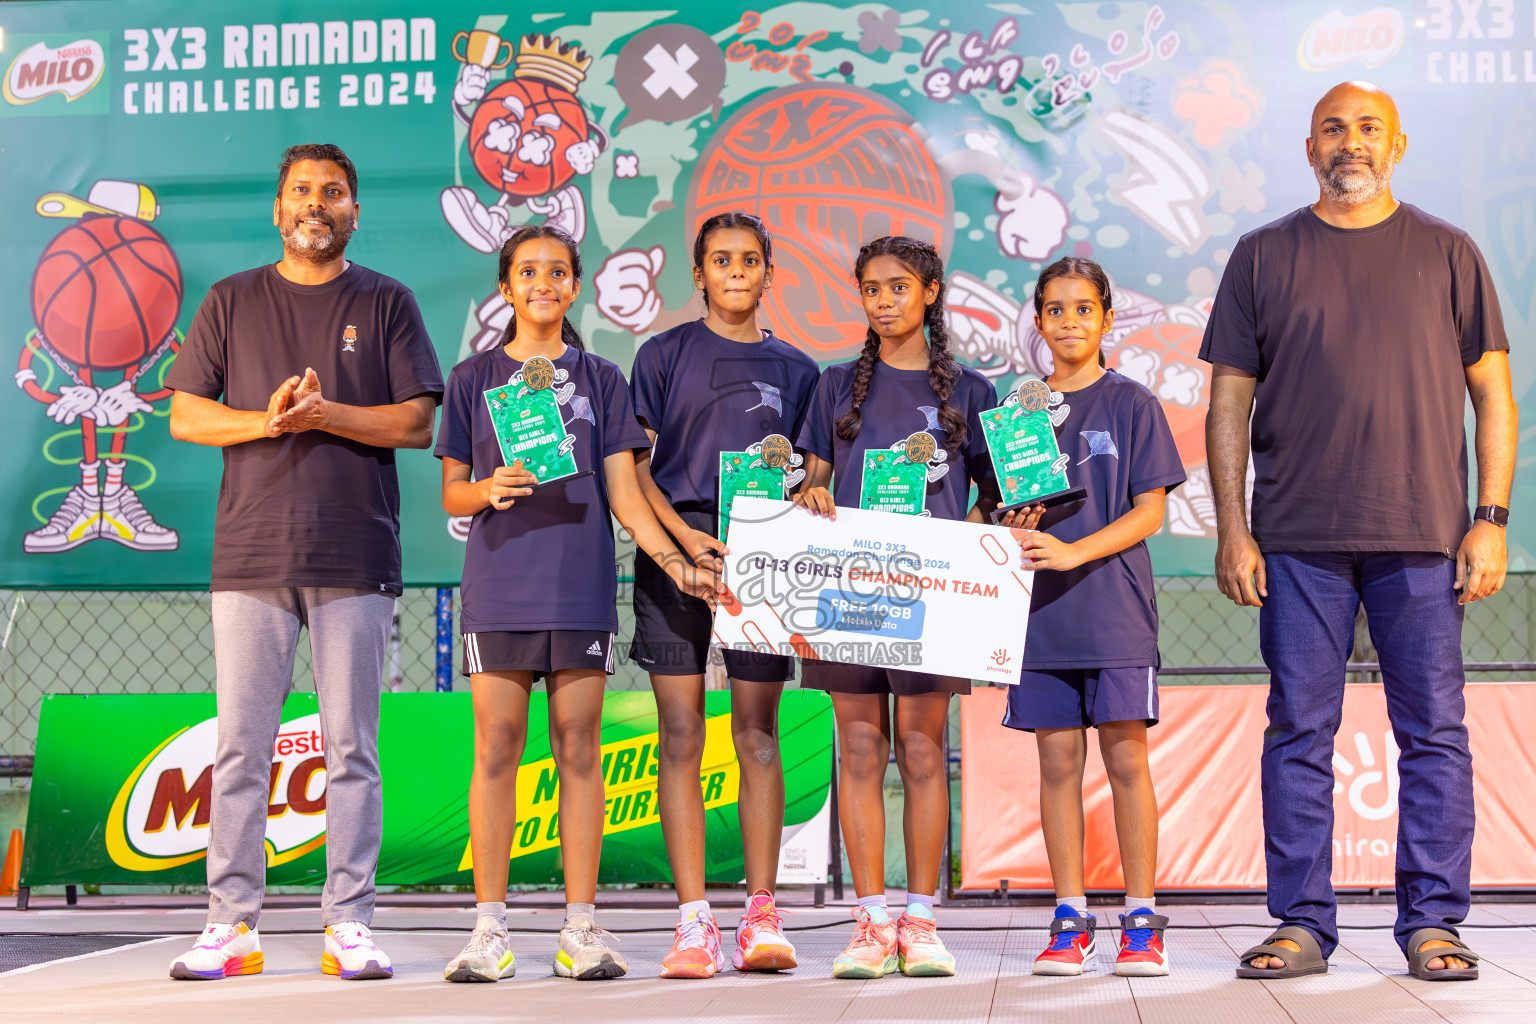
x=307, y=249
x=1353, y=188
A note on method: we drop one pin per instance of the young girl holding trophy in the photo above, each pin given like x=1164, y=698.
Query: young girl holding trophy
x=720, y=398
x=537, y=442
x=871, y=432
x=1091, y=658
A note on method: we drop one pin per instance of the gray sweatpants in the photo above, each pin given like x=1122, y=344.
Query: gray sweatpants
x=255, y=633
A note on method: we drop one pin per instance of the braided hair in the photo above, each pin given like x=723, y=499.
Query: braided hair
x=943, y=372
x=528, y=233
x=1080, y=267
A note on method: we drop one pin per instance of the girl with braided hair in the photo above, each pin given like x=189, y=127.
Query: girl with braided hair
x=904, y=395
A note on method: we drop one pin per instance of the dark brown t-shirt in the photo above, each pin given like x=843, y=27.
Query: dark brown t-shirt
x=1359, y=339
x=311, y=509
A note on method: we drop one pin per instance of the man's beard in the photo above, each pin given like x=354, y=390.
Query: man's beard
x=1354, y=187
x=317, y=249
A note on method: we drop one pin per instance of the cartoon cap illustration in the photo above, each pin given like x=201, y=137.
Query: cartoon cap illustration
x=106, y=197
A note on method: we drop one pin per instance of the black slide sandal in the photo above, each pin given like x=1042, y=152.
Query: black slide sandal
x=1309, y=960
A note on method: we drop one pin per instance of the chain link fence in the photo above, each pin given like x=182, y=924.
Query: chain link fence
x=111, y=642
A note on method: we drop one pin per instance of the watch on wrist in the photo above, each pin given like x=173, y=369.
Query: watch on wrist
x=1498, y=515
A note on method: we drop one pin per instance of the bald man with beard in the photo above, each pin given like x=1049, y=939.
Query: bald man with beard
x=1350, y=333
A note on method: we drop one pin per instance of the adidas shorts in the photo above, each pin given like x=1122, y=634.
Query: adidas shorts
x=1075, y=698
x=540, y=652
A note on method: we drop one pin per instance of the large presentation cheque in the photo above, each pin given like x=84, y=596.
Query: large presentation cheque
x=875, y=588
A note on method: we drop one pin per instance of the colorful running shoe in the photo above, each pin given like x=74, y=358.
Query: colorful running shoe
x=584, y=954
x=760, y=941
x=486, y=957
x=872, y=951
x=695, y=951
x=350, y=953
x=222, y=951
x=1071, y=948
x=919, y=950
x=1142, y=953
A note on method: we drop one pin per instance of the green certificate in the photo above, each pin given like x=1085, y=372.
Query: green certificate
x=764, y=470
x=742, y=473
x=528, y=424
x=893, y=483
x=1022, y=442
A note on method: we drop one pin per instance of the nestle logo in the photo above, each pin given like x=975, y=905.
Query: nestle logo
x=41, y=70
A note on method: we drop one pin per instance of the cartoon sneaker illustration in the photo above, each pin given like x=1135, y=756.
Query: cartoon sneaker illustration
x=74, y=523
x=125, y=519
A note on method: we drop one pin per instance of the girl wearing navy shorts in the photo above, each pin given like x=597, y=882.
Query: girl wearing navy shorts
x=1091, y=658
x=717, y=385
x=905, y=382
x=539, y=590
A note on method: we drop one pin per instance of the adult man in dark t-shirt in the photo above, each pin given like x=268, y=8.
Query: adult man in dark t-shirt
x=1353, y=330
x=324, y=368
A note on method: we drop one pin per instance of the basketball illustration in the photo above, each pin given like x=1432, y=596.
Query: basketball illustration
x=521, y=135
x=921, y=447
x=777, y=451
x=1034, y=395
x=827, y=166
x=106, y=292
x=538, y=374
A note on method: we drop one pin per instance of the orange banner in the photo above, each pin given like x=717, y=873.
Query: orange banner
x=1205, y=763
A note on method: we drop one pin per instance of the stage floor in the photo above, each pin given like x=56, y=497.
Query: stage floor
x=106, y=959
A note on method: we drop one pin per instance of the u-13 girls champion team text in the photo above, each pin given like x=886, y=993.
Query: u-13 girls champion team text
x=542, y=441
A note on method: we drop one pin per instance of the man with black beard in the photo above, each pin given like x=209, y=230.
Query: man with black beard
x=308, y=373
x=1353, y=331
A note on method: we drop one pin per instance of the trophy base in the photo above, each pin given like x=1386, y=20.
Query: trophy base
x=1048, y=500
x=561, y=479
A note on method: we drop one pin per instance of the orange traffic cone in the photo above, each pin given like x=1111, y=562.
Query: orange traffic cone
x=11, y=875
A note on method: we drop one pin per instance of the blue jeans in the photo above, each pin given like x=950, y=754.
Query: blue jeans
x=1306, y=635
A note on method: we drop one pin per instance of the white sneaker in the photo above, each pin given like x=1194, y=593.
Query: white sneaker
x=485, y=958
x=221, y=951
x=584, y=954
x=124, y=519
x=74, y=522
x=350, y=953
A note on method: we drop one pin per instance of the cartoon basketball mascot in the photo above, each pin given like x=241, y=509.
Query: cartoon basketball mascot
x=528, y=136
x=105, y=297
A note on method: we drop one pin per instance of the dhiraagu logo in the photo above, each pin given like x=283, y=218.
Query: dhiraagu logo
x=159, y=818
x=629, y=779
x=49, y=75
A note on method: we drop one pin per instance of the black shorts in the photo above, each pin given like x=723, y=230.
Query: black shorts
x=540, y=652
x=837, y=677
x=672, y=629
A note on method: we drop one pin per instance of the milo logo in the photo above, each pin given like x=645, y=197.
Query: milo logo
x=41, y=70
x=159, y=818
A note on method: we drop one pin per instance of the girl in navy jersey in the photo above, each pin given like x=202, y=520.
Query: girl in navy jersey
x=905, y=383
x=1091, y=656
x=539, y=588
x=712, y=389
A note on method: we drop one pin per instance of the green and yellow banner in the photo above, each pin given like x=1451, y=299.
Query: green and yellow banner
x=123, y=786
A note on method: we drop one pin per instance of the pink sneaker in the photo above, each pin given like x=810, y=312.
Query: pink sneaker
x=760, y=941
x=695, y=951
x=872, y=951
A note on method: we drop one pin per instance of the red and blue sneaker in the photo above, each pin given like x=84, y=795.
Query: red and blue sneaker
x=1142, y=953
x=1070, y=951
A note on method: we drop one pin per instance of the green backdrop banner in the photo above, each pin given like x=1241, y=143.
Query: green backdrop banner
x=141, y=140
x=122, y=788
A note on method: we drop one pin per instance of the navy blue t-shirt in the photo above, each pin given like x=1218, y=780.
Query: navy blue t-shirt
x=900, y=403
x=703, y=394
x=1103, y=614
x=547, y=562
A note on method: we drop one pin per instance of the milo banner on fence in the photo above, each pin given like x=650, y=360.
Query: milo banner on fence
x=142, y=138
x=122, y=790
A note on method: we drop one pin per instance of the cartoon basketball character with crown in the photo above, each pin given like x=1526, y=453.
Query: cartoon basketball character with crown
x=105, y=297
x=528, y=136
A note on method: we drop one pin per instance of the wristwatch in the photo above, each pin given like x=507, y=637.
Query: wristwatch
x=1498, y=515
